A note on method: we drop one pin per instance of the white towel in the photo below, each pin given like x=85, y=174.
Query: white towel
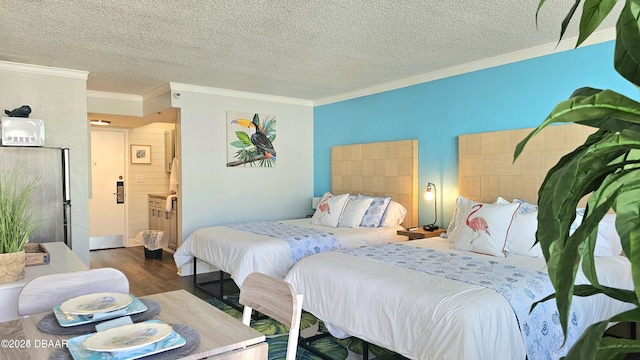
x=174, y=177
x=169, y=204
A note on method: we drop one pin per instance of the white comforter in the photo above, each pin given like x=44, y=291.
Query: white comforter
x=240, y=253
x=423, y=316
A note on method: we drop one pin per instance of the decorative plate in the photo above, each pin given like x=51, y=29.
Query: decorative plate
x=128, y=337
x=95, y=303
x=67, y=320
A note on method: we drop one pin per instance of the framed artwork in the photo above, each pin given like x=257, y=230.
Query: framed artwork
x=251, y=139
x=141, y=154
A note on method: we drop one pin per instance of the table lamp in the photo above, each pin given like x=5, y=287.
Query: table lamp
x=430, y=196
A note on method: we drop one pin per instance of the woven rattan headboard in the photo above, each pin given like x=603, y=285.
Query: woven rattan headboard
x=486, y=168
x=379, y=169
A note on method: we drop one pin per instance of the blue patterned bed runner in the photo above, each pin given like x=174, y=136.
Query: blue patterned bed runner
x=303, y=241
x=521, y=287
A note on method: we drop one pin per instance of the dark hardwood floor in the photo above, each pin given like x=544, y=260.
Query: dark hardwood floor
x=151, y=276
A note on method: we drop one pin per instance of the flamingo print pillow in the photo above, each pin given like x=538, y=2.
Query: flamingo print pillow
x=329, y=209
x=484, y=228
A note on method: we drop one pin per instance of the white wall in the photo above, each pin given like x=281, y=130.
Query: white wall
x=212, y=193
x=59, y=97
x=145, y=179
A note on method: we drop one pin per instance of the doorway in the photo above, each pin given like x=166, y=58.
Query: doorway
x=107, y=203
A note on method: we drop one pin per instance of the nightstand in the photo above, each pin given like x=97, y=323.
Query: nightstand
x=420, y=233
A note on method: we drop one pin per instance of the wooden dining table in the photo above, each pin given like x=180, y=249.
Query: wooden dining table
x=222, y=337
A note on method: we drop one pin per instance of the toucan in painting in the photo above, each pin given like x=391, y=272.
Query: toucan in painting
x=261, y=140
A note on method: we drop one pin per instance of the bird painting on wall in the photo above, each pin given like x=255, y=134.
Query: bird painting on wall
x=255, y=148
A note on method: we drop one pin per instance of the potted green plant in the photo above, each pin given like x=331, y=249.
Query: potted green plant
x=16, y=224
x=606, y=168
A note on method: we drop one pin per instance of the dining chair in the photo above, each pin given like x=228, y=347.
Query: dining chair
x=46, y=291
x=274, y=298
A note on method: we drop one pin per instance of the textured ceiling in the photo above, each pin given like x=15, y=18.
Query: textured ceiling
x=304, y=49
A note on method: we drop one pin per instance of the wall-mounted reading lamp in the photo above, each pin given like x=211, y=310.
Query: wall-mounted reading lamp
x=430, y=196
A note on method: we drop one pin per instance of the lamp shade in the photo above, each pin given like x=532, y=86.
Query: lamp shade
x=429, y=193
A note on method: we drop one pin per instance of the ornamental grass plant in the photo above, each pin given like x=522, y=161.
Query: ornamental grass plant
x=16, y=216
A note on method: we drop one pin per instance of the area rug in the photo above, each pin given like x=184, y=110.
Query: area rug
x=276, y=334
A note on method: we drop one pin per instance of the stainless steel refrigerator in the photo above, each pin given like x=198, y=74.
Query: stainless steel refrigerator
x=51, y=200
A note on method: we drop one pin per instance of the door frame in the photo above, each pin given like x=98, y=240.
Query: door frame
x=126, y=176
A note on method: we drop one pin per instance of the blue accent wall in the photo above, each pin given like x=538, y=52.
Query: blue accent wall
x=513, y=96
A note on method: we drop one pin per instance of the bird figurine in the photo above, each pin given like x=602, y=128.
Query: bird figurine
x=23, y=112
x=258, y=139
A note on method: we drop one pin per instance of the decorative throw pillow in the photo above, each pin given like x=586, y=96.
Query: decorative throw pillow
x=525, y=206
x=522, y=234
x=353, y=212
x=462, y=204
x=373, y=216
x=484, y=228
x=329, y=209
x=395, y=214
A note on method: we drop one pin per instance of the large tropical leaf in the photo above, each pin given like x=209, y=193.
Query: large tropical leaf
x=576, y=175
x=567, y=19
x=603, y=109
x=627, y=53
x=593, y=13
x=623, y=189
x=627, y=208
x=606, y=166
x=591, y=344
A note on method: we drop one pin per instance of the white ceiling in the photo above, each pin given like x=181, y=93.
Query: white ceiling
x=304, y=49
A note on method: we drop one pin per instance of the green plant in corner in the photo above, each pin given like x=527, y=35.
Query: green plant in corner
x=16, y=218
x=607, y=169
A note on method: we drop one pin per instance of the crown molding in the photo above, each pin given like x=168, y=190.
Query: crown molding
x=44, y=70
x=113, y=96
x=564, y=45
x=157, y=91
x=239, y=94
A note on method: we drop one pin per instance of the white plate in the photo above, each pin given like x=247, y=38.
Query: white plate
x=95, y=303
x=127, y=337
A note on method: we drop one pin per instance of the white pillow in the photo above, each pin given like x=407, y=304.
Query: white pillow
x=462, y=204
x=608, y=241
x=525, y=206
x=484, y=228
x=522, y=234
x=395, y=214
x=501, y=200
x=329, y=209
x=353, y=212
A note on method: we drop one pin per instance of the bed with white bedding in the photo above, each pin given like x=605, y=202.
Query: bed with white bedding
x=428, y=316
x=240, y=253
x=425, y=313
